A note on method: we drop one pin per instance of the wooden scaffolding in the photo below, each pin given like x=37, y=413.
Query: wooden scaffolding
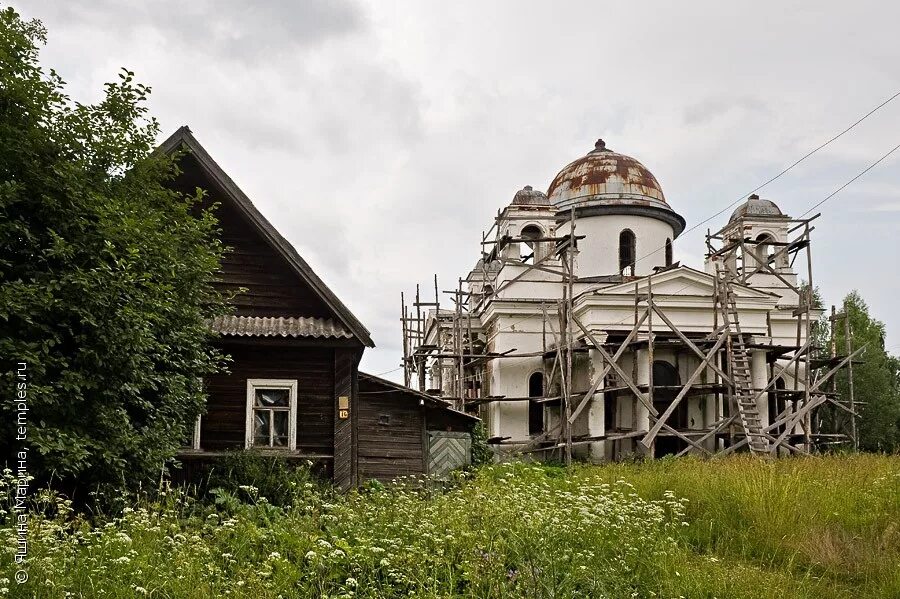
x=800, y=378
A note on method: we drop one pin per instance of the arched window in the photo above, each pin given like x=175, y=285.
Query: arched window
x=627, y=252
x=665, y=374
x=529, y=250
x=765, y=247
x=535, y=409
x=668, y=252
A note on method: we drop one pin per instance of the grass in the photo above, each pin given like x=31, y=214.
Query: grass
x=739, y=527
x=832, y=522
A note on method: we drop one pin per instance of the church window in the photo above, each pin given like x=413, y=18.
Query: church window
x=535, y=409
x=627, y=244
x=529, y=250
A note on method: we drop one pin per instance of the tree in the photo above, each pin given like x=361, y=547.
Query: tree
x=875, y=380
x=106, y=277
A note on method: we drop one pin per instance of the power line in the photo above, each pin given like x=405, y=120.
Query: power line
x=816, y=205
x=388, y=371
x=842, y=187
x=758, y=188
x=825, y=199
x=780, y=174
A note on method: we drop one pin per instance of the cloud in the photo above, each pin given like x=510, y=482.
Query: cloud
x=709, y=109
x=234, y=29
x=887, y=207
x=381, y=138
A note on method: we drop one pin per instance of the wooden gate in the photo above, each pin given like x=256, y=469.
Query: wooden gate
x=448, y=451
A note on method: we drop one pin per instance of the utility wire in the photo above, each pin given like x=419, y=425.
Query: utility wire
x=758, y=188
x=783, y=172
x=389, y=371
x=847, y=184
x=825, y=199
x=778, y=176
x=813, y=207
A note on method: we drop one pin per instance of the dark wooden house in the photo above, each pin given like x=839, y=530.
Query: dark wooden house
x=293, y=385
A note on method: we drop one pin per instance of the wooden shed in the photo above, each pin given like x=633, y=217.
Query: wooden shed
x=404, y=432
x=292, y=386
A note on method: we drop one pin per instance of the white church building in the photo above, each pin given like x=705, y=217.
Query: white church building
x=576, y=334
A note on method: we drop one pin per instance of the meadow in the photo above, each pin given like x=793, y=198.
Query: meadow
x=824, y=527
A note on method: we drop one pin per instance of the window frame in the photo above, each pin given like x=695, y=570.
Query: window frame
x=257, y=384
x=767, y=241
x=195, y=438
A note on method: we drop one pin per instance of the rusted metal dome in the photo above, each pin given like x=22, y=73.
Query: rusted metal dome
x=607, y=182
x=604, y=175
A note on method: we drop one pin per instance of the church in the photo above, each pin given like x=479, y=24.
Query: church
x=577, y=335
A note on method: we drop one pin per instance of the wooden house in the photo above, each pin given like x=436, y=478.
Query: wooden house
x=292, y=387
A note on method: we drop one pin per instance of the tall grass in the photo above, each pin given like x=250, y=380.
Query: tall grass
x=829, y=520
x=740, y=527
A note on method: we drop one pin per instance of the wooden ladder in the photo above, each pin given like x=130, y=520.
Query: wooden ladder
x=744, y=395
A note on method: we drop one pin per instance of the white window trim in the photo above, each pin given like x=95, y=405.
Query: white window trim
x=291, y=386
x=195, y=441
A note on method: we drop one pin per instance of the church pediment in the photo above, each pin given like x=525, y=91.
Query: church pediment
x=682, y=282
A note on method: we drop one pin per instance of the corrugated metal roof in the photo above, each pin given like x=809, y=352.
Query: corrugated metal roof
x=260, y=326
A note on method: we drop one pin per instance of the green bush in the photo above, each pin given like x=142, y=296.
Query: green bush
x=106, y=278
x=248, y=475
x=823, y=528
x=481, y=451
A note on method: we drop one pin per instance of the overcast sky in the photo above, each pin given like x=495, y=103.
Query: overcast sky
x=381, y=138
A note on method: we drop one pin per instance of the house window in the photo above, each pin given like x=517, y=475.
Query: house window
x=627, y=252
x=668, y=252
x=272, y=413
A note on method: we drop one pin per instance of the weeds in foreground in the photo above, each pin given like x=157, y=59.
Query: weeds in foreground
x=821, y=527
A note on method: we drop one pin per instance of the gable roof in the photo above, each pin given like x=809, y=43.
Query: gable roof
x=427, y=400
x=184, y=138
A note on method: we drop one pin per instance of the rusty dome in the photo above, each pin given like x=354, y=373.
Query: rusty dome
x=607, y=182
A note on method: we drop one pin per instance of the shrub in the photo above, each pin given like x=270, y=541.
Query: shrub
x=247, y=475
x=106, y=278
x=481, y=451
